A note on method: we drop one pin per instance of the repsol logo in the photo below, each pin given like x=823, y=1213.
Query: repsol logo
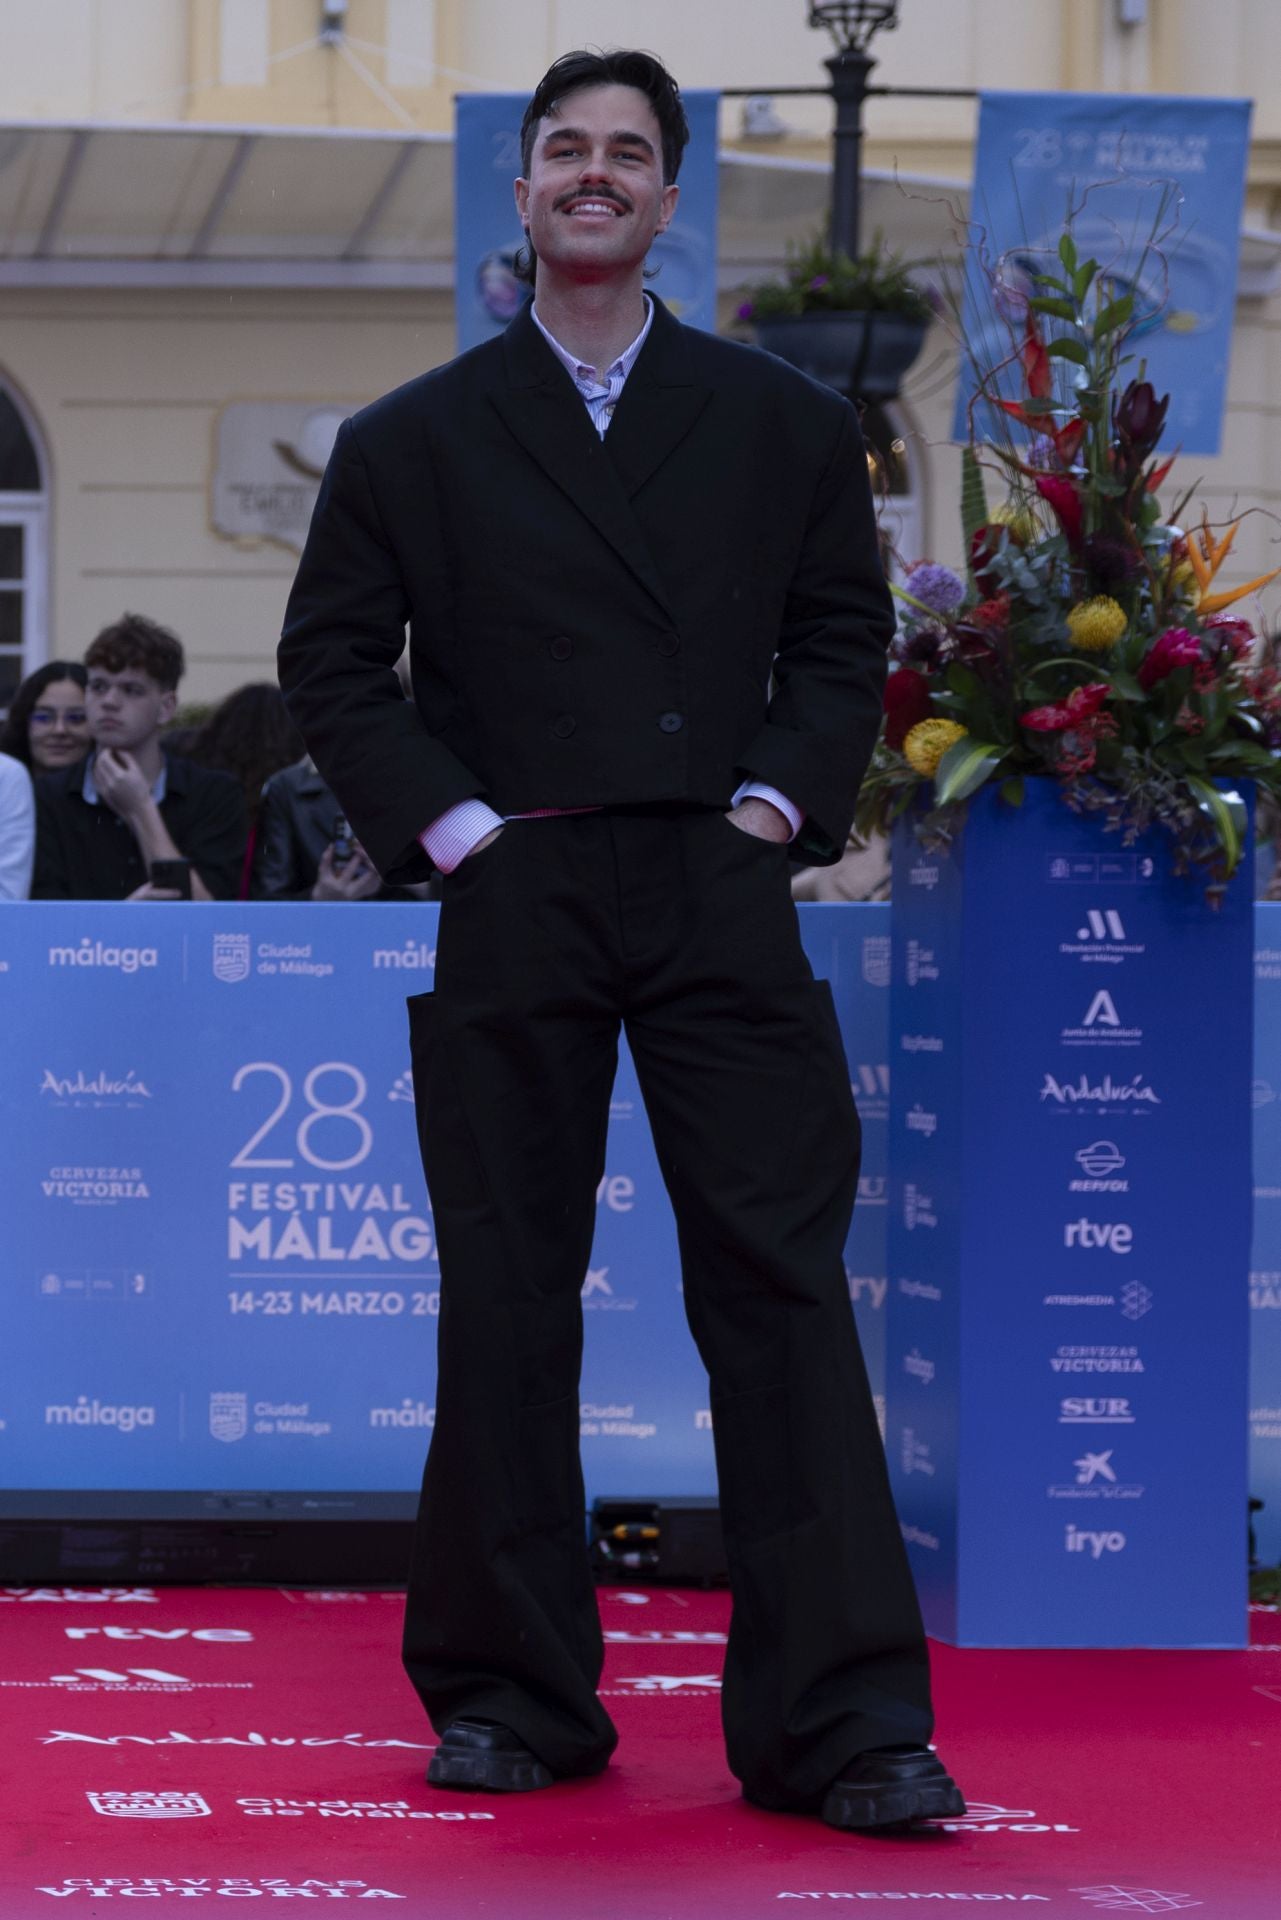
x=96, y=1413
x=95, y=953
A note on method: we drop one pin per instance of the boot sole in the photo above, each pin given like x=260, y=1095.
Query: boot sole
x=487, y=1772
x=862, y=1809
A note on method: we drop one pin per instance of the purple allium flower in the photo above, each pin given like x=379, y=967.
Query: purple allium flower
x=938, y=588
x=820, y=280
x=746, y=310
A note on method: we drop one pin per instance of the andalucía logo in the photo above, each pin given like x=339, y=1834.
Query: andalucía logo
x=151, y=1806
x=60, y=1736
x=1104, y=1095
x=104, y=1090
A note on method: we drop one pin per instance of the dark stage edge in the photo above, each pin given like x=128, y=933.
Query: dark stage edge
x=105, y=1538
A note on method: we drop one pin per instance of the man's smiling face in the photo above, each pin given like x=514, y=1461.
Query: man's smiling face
x=595, y=200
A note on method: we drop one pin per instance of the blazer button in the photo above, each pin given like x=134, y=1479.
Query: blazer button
x=669, y=644
x=564, y=726
x=561, y=647
x=671, y=722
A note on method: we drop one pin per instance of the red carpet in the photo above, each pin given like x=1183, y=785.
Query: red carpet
x=288, y=1767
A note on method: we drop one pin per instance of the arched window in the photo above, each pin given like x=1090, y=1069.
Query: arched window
x=23, y=510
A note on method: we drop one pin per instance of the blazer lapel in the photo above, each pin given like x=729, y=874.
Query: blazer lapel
x=542, y=410
x=660, y=404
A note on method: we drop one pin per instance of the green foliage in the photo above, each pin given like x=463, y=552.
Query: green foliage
x=818, y=280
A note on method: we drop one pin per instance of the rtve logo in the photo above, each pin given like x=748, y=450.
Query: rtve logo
x=1115, y=1237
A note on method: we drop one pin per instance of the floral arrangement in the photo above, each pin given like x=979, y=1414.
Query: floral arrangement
x=818, y=280
x=1089, y=641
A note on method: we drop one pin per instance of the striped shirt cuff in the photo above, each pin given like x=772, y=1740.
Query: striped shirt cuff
x=757, y=790
x=452, y=835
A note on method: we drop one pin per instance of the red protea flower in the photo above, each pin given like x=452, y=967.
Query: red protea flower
x=990, y=614
x=907, y=700
x=1078, y=711
x=1175, y=648
x=1060, y=494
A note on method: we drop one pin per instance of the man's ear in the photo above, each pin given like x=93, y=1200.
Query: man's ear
x=168, y=706
x=521, y=189
x=667, y=208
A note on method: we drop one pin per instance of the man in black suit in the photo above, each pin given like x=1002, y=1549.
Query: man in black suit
x=648, y=635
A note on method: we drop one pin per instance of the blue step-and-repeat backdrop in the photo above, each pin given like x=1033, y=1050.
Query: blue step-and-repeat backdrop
x=221, y=1270
x=219, y=1263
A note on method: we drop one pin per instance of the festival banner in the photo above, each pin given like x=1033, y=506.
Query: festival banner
x=488, y=236
x=221, y=1266
x=1129, y=169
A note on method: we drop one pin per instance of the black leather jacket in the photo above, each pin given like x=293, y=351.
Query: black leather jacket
x=295, y=825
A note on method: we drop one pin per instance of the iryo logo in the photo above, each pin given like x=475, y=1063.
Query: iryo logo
x=1081, y=1540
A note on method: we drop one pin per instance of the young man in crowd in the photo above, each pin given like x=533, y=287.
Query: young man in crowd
x=133, y=822
x=649, y=629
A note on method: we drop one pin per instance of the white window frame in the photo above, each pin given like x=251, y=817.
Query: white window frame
x=30, y=511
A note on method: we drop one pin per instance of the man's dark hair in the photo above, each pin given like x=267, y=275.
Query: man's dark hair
x=135, y=642
x=622, y=67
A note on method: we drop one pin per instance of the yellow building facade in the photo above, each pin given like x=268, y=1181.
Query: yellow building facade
x=222, y=219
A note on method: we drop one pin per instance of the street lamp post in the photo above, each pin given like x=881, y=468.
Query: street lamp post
x=852, y=24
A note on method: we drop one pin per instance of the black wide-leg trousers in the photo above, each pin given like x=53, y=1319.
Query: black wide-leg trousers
x=680, y=927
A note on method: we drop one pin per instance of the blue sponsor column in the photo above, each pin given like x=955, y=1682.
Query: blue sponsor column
x=1069, y=1235
x=1265, y=1259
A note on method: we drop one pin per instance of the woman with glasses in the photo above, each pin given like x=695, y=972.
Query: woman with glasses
x=47, y=727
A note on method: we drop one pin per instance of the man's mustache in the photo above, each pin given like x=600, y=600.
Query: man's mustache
x=581, y=193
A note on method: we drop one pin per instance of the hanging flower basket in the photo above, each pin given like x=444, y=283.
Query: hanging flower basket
x=863, y=355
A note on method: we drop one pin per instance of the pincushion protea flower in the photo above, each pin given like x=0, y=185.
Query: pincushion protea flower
x=1096, y=625
x=928, y=741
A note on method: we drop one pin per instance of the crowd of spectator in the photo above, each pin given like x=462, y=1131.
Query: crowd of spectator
x=104, y=797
